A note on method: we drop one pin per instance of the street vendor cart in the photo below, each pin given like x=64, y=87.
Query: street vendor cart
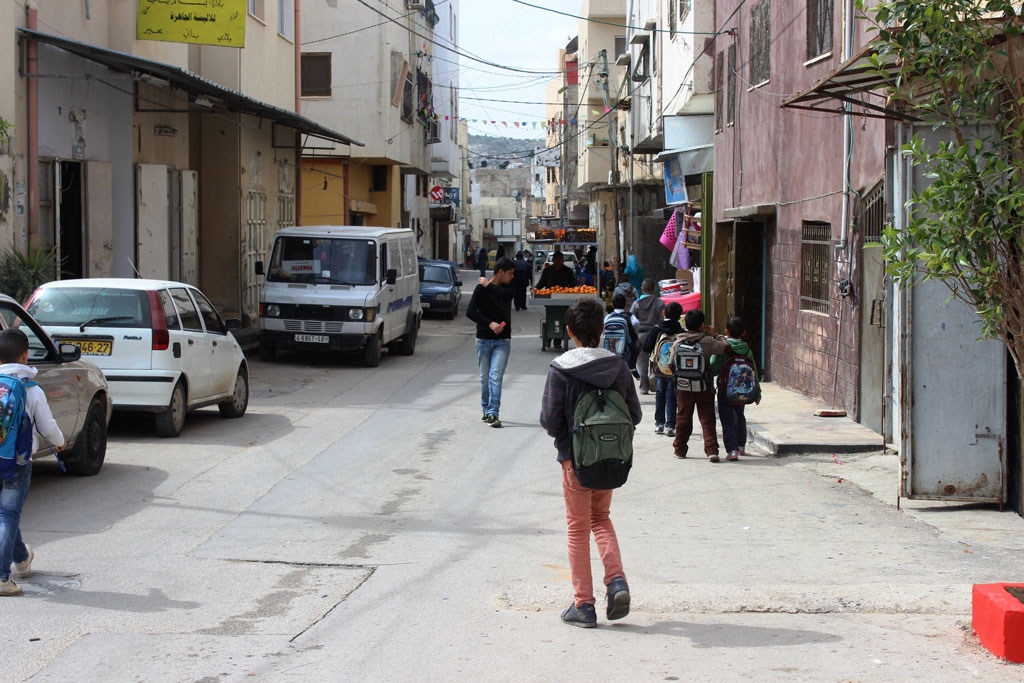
x=552, y=325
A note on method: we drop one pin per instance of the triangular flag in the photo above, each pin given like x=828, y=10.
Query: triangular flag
x=607, y=109
x=515, y=123
x=446, y=118
x=573, y=122
x=534, y=124
x=505, y=123
x=595, y=112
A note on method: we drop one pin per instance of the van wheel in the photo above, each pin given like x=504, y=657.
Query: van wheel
x=171, y=420
x=86, y=459
x=408, y=346
x=371, y=353
x=267, y=353
x=239, y=398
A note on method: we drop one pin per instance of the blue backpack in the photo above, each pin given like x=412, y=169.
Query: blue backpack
x=15, y=425
x=616, y=335
x=738, y=380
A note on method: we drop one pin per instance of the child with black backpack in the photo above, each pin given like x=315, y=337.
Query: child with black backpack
x=619, y=334
x=591, y=408
x=26, y=414
x=665, y=400
x=738, y=386
x=692, y=369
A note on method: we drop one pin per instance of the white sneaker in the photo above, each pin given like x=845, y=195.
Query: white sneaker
x=659, y=429
x=733, y=455
x=8, y=587
x=23, y=569
x=669, y=431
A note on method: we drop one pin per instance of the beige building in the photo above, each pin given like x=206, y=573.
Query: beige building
x=392, y=86
x=167, y=159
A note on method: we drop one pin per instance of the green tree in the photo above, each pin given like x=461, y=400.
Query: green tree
x=956, y=68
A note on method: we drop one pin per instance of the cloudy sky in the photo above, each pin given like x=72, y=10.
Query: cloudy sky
x=510, y=34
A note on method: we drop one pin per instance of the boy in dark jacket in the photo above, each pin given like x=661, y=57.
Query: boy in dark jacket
x=570, y=376
x=665, y=400
x=648, y=312
x=491, y=309
x=734, y=422
x=703, y=401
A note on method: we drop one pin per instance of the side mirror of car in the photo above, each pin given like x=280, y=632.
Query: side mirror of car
x=259, y=268
x=391, y=277
x=458, y=283
x=233, y=324
x=70, y=353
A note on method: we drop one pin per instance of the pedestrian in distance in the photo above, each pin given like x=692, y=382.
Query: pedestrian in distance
x=490, y=308
x=738, y=386
x=482, y=262
x=16, y=471
x=619, y=334
x=648, y=312
x=521, y=280
x=694, y=385
x=665, y=400
x=570, y=378
x=634, y=271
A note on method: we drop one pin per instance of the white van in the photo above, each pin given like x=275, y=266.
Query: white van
x=341, y=288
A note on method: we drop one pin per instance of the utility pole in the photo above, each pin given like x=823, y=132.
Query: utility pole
x=614, y=151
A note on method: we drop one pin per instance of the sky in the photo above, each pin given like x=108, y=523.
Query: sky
x=510, y=34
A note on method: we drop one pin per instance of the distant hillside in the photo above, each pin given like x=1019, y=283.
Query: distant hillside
x=498, y=147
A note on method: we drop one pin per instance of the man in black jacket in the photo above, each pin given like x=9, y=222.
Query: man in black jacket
x=521, y=281
x=491, y=309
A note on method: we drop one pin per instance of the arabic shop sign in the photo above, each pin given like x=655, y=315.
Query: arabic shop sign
x=207, y=22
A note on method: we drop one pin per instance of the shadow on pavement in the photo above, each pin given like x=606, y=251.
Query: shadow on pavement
x=202, y=427
x=732, y=635
x=155, y=601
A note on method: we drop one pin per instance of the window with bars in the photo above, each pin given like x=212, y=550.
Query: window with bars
x=730, y=78
x=316, y=74
x=872, y=214
x=815, y=240
x=720, y=82
x=819, y=27
x=760, y=42
x=425, y=109
x=408, y=99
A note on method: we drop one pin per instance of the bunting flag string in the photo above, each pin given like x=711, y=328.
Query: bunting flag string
x=553, y=123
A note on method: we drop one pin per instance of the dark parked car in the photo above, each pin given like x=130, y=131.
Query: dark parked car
x=440, y=288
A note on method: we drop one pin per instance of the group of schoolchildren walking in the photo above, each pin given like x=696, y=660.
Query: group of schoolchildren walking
x=590, y=407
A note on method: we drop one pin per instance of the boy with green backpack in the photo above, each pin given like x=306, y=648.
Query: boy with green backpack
x=590, y=407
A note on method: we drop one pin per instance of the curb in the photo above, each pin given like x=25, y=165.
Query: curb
x=998, y=620
x=776, y=447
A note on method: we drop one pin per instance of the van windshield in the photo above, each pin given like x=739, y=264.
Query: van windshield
x=316, y=260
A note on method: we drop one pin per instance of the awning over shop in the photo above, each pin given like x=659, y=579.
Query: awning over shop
x=856, y=76
x=205, y=94
x=692, y=160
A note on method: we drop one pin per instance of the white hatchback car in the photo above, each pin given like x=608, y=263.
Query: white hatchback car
x=162, y=345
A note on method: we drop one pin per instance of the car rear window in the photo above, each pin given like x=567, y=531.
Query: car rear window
x=98, y=306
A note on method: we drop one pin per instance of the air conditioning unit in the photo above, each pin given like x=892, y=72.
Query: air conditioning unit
x=416, y=4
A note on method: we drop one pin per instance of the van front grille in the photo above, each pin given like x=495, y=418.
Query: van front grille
x=313, y=326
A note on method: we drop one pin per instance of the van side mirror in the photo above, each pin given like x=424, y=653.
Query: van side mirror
x=259, y=268
x=391, y=277
x=69, y=353
x=233, y=324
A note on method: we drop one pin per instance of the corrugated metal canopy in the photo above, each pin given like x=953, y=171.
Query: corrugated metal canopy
x=858, y=75
x=192, y=83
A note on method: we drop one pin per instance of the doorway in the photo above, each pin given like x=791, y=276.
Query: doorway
x=873, y=314
x=738, y=276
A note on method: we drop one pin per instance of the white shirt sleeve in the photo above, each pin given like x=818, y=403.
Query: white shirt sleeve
x=42, y=418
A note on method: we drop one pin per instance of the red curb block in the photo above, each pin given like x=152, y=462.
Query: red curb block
x=998, y=620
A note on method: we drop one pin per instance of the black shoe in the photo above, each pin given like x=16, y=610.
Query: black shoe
x=584, y=616
x=618, y=598
x=636, y=375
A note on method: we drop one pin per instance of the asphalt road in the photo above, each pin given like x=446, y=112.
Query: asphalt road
x=365, y=525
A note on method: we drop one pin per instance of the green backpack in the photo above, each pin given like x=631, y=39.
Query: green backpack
x=602, y=439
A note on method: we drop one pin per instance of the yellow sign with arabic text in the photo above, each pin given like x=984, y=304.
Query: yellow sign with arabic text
x=207, y=22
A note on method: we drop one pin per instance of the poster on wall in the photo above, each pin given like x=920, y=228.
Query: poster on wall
x=204, y=22
x=675, y=182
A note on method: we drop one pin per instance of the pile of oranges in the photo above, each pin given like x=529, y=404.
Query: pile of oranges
x=582, y=289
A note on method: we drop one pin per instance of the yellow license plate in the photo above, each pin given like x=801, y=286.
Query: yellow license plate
x=90, y=347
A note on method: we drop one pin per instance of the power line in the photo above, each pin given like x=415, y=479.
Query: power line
x=612, y=23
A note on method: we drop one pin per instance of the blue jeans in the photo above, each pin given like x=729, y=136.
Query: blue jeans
x=492, y=357
x=665, y=402
x=734, y=425
x=13, y=492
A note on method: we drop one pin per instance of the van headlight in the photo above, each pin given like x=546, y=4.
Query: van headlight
x=356, y=313
x=443, y=296
x=270, y=311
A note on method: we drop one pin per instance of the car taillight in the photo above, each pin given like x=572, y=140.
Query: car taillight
x=161, y=337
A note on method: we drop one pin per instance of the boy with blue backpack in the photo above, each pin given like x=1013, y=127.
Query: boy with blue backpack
x=738, y=386
x=591, y=409
x=24, y=416
x=619, y=334
x=661, y=338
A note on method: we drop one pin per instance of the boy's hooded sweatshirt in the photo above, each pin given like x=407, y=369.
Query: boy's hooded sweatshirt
x=570, y=376
x=737, y=347
x=36, y=407
x=666, y=326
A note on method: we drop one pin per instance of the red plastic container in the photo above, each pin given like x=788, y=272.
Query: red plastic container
x=689, y=302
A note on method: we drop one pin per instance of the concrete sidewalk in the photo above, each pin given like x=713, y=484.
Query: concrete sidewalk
x=784, y=424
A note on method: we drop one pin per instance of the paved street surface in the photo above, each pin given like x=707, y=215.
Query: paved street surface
x=365, y=525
